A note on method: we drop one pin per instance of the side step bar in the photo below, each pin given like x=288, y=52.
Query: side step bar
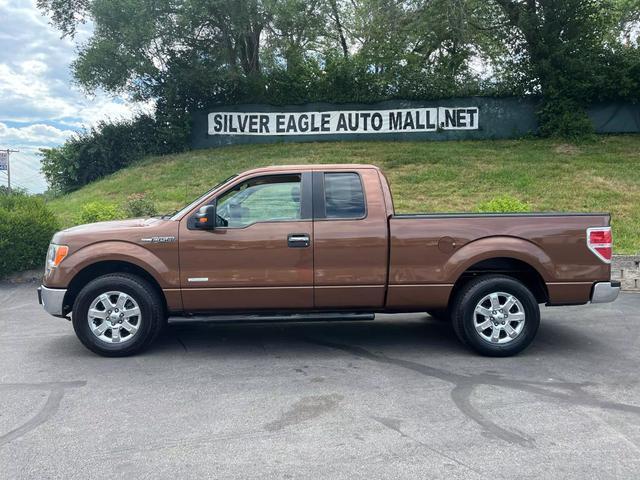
x=271, y=317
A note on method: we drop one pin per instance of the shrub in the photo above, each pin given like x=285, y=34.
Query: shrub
x=564, y=118
x=138, y=205
x=26, y=228
x=503, y=204
x=100, y=212
x=107, y=148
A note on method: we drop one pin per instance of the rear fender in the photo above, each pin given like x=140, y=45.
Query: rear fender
x=498, y=247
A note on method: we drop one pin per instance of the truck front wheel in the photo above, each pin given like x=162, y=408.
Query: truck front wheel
x=495, y=315
x=117, y=315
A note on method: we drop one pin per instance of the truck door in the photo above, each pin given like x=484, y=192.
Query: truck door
x=261, y=257
x=349, y=239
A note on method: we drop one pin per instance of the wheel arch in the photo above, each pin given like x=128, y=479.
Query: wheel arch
x=104, y=267
x=514, y=257
x=511, y=267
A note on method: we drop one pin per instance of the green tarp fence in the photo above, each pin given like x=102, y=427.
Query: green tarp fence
x=448, y=119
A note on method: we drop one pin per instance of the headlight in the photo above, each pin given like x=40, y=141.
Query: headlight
x=55, y=255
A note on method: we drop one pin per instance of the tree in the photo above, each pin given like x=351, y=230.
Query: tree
x=196, y=52
x=189, y=51
x=559, y=44
x=191, y=54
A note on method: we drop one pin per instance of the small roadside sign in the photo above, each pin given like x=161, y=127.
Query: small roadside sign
x=4, y=160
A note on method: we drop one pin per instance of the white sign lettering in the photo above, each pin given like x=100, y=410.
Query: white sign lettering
x=4, y=160
x=406, y=120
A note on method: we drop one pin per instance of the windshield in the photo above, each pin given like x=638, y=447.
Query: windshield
x=192, y=204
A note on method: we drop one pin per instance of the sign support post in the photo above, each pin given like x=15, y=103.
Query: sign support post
x=5, y=164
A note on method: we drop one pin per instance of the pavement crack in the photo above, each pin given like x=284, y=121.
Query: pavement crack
x=461, y=396
x=394, y=425
x=182, y=344
x=56, y=392
x=464, y=385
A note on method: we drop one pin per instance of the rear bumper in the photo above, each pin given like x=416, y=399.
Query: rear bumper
x=52, y=299
x=604, y=292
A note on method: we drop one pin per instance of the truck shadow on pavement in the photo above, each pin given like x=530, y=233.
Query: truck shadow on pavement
x=368, y=341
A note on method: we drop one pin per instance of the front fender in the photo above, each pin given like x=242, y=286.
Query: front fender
x=159, y=260
x=498, y=247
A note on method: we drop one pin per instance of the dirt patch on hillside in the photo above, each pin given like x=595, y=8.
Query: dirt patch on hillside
x=566, y=149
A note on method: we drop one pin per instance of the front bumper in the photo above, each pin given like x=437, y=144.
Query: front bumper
x=52, y=299
x=604, y=292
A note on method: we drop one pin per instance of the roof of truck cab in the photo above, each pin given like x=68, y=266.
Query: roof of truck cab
x=321, y=166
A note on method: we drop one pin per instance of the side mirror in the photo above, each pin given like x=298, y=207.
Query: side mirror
x=206, y=218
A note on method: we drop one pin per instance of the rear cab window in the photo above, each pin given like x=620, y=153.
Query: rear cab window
x=343, y=196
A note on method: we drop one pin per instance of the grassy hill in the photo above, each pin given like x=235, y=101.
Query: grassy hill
x=603, y=175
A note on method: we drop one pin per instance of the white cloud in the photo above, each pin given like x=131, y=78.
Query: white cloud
x=34, y=135
x=38, y=104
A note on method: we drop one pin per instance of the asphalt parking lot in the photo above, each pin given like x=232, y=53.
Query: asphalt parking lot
x=395, y=398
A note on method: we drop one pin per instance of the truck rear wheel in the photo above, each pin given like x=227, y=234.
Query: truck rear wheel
x=117, y=315
x=496, y=315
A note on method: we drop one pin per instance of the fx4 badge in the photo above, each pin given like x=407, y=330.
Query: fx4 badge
x=158, y=239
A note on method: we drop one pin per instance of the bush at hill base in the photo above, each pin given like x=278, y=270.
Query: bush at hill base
x=26, y=228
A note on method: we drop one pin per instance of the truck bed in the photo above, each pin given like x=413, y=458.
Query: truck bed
x=429, y=252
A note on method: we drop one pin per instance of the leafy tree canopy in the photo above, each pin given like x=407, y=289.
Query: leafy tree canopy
x=193, y=53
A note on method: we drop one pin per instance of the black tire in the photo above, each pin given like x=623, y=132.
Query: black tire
x=440, y=314
x=464, y=317
x=151, y=321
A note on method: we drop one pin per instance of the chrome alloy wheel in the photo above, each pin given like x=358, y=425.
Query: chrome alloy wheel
x=499, y=318
x=114, y=317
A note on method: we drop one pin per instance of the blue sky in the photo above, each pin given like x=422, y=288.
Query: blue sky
x=39, y=105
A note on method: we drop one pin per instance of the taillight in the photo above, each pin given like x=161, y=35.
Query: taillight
x=600, y=242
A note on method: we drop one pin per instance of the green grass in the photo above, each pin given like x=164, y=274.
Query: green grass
x=600, y=175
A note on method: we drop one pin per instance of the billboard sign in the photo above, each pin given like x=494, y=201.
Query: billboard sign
x=341, y=122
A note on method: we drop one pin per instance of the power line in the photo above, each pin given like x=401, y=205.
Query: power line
x=23, y=178
x=20, y=185
x=29, y=177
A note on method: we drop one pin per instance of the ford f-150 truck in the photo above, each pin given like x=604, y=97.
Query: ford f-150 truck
x=323, y=242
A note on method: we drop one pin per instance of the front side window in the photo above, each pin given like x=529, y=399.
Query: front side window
x=262, y=199
x=343, y=195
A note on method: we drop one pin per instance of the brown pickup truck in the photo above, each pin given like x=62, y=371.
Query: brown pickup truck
x=323, y=242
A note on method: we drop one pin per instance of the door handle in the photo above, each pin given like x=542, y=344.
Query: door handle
x=298, y=240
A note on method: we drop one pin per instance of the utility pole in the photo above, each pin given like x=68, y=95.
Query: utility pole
x=7, y=155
